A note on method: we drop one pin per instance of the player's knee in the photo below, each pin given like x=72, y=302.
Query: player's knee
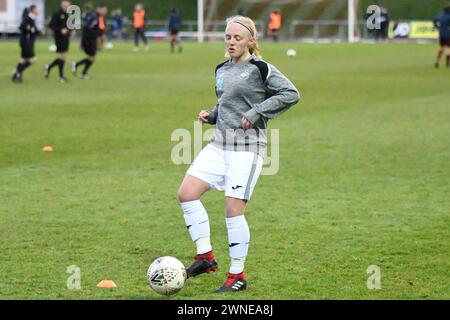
x=186, y=197
x=235, y=207
x=180, y=195
x=186, y=194
x=183, y=195
x=234, y=211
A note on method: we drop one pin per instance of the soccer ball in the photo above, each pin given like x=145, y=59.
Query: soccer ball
x=52, y=48
x=166, y=275
x=291, y=53
x=109, y=46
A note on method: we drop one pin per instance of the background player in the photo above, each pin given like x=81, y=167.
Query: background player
x=274, y=24
x=174, y=23
x=442, y=22
x=139, y=17
x=89, y=35
x=58, y=24
x=28, y=33
x=102, y=26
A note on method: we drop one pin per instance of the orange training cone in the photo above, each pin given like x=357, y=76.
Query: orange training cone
x=106, y=284
x=47, y=149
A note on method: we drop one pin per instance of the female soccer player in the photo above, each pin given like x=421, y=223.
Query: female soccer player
x=174, y=24
x=139, y=17
x=28, y=34
x=250, y=91
x=89, y=36
x=58, y=24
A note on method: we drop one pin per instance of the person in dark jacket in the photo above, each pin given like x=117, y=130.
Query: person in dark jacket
x=117, y=26
x=28, y=34
x=58, y=24
x=89, y=34
x=174, y=24
x=384, y=24
x=442, y=23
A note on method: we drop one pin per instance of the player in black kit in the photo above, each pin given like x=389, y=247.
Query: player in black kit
x=58, y=24
x=90, y=32
x=28, y=33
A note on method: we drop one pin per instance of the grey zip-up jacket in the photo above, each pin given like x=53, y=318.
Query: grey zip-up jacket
x=254, y=89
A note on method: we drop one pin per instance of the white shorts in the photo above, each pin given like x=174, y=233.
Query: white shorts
x=235, y=172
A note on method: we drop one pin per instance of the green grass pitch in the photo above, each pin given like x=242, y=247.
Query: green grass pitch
x=363, y=179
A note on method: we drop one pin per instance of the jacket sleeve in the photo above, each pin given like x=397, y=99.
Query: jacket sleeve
x=212, y=115
x=282, y=95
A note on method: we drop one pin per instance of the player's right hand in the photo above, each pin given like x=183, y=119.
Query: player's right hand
x=203, y=116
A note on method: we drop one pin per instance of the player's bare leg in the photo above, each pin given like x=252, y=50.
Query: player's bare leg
x=439, y=57
x=447, y=56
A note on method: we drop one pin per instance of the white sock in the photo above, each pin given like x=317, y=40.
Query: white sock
x=237, y=265
x=239, y=239
x=203, y=245
x=197, y=222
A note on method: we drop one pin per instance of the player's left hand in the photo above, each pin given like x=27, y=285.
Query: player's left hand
x=245, y=123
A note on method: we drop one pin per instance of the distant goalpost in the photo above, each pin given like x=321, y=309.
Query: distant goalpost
x=351, y=20
x=200, y=22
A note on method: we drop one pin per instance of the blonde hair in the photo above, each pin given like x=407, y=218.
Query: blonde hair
x=250, y=25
